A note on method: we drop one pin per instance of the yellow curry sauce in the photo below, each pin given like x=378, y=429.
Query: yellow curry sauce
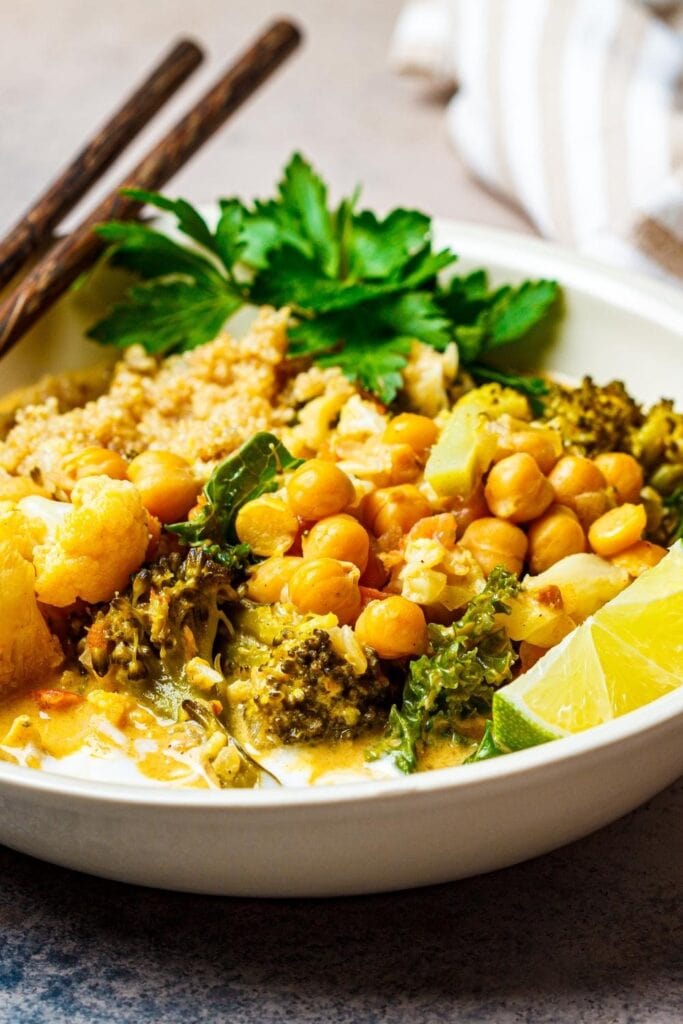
x=65, y=718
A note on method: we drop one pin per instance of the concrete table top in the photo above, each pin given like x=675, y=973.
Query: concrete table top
x=592, y=933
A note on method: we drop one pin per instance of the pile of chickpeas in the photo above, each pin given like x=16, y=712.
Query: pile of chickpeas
x=535, y=506
x=165, y=481
x=321, y=545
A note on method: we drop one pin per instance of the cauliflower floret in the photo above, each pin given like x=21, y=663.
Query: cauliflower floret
x=427, y=377
x=435, y=575
x=28, y=651
x=17, y=530
x=360, y=419
x=87, y=548
x=13, y=488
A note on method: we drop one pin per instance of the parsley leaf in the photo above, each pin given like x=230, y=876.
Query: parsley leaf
x=376, y=364
x=190, y=222
x=377, y=249
x=361, y=288
x=148, y=253
x=303, y=195
x=416, y=315
x=487, y=319
x=516, y=310
x=167, y=316
x=229, y=242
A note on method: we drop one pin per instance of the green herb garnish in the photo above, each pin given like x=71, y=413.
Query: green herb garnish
x=362, y=288
x=487, y=748
x=240, y=478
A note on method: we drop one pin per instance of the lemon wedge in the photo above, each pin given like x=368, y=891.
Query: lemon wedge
x=625, y=655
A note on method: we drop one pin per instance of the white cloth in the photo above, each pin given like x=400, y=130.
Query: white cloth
x=570, y=109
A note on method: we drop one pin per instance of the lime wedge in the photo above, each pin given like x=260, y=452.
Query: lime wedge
x=626, y=655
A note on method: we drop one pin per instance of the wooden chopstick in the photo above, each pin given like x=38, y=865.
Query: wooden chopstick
x=34, y=228
x=69, y=257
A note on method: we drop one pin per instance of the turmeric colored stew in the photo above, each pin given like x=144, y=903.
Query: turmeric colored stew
x=341, y=546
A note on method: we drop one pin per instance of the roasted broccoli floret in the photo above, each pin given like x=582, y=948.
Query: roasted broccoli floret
x=658, y=446
x=299, y=686
x=592, y=418
x=163, y=629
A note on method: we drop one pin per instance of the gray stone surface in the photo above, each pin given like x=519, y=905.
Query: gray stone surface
x=592, y=933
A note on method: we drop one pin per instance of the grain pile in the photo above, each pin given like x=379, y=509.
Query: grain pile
x=202, y=405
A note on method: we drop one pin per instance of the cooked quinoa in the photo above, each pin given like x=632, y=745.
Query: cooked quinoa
x=201, y=405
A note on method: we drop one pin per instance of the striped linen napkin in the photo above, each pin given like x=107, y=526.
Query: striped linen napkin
x=569, y=108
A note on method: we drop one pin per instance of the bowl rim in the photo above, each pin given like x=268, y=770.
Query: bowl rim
x=645, y=297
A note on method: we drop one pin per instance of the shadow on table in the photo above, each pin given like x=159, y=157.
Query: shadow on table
x=596, y=924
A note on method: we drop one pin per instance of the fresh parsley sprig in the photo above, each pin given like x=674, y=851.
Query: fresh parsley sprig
x=361, y=288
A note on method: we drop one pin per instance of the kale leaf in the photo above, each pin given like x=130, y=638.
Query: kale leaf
x=467, y=663
x=487, y=748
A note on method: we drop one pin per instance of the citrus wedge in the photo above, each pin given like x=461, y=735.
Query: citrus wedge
x=626, y=655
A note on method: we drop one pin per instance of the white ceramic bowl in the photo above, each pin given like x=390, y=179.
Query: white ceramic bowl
x=372, y=836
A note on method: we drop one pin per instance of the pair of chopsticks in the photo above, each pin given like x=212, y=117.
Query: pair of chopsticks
x=53, y=274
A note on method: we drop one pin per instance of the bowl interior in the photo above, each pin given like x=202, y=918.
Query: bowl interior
x=611, y=324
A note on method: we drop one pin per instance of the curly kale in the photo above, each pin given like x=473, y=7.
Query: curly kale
x=466, y=664
x=171, y=613
x=300, y=689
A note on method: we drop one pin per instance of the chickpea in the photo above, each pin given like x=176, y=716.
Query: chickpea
x=640, y=556
x=394, y=627
x=517, y=490
x=341, y=537
x=590, y=506
x=466, y=510
x=618, y=529
x=420, y=432
x=319, y=489
x=623, y=473
x=166, y=484
x=496, y=542
x=322, y=585
x=574, y=475
x=95, y=461
x=375, y=575
x=440, y=527
x=542, y=443
x=396, y=508
x=268, y=579
x=267, y=525
x=403, y=462
x=555, y=535
x=154, y=531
